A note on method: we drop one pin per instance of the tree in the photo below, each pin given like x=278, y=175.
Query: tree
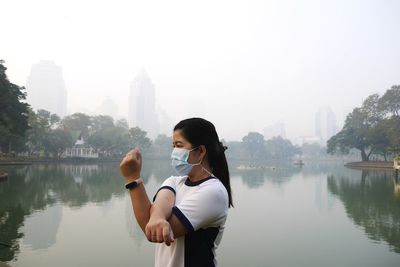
x=138, y=138
x=390, y=101
x=162, y=146
x=122, y=123
x=254, y=144
x=353, y=135
x=101, y=122
x=358, y=130
x=13, y=111
x=57, y=141
x=43, y=136
x=280, y=148
x=112, y=140
x=77, y=122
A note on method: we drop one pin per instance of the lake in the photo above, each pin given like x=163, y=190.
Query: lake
x=321, y=214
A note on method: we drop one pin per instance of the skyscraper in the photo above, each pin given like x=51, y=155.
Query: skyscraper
x=274, y=130
x=46, y=88
x=142, y=108
x=108, y=107
x=325, y=124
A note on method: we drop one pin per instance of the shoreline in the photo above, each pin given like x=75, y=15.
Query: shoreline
x=383, y=165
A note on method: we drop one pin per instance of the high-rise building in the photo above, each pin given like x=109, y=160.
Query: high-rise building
x=325, y=124
x=46, y=88
x=108, y=107
x=274, y=130
x=142, y=107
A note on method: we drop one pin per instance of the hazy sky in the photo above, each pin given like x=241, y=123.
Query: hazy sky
x=243, y=65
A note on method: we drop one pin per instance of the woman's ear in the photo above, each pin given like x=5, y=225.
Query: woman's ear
x=203, y=151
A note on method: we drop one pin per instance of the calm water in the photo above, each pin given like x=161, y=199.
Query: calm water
x=318, y=215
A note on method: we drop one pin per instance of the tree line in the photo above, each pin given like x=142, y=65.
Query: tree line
x=43, y=134
x=372, y=129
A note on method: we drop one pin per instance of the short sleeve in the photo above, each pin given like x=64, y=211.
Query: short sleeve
x=205, y=207
x=169, y=183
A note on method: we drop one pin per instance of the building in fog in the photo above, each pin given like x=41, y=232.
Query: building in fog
x=108, y=107
x=142, y=105
x=46, y=88
x=275, y=130
x=325, y=124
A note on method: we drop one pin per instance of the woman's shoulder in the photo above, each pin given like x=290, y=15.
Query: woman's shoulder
x=176, y=179
x=215, y=187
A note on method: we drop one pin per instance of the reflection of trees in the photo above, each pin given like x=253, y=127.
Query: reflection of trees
x=36, y=187
x=256, y=177
x=371, y=203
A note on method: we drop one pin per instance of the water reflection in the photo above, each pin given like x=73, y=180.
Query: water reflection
x=370, y=202
x=39, y=187
x=48, y=207
x=255, y=178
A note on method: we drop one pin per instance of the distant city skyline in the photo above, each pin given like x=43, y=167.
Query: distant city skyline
x=325, y=124
x=142, y=105
x=46, y=89
x=248, y=65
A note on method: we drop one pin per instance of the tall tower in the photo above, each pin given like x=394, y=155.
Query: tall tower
x=46, y=88
x=325, y=124
x=142, y=107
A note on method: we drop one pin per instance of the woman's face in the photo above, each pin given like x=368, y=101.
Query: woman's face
x=179, y=141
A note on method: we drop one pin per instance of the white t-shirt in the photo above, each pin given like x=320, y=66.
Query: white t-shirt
x=202, y=207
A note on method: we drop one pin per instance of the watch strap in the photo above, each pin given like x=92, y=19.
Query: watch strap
x=133, y=184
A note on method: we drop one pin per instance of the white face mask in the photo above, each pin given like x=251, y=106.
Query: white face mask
x=180, y=157
x=180, y=162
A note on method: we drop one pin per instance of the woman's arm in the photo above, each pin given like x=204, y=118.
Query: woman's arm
x=156, y=220
x=163, y=226
x=130, y=168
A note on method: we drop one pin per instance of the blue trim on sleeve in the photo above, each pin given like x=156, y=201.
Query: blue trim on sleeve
x=182, y=218
x=164, y=187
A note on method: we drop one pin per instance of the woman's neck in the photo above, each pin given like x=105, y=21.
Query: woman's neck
x=200, y=172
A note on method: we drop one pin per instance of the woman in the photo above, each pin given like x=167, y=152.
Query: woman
x=189, y=211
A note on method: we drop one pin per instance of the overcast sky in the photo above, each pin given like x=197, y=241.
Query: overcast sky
x=243, y=65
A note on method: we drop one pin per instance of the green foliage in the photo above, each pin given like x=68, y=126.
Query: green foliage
x=162, y=146
x=280, y=148
x=138, y=138
x=372, y=129
x=13, y=112
x=43, y=137
x=390, y=101
x=254, y=143
x=255, y=149
x=77, y=122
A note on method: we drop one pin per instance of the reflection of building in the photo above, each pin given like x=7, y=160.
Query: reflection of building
x=277, y=129
x=142, y=111
x=40, y=229
x=325, y=124
x=46, y=89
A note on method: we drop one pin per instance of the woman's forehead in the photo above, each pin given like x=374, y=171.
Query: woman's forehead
x=178, y=137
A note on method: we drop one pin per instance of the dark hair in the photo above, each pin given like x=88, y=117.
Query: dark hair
x=198, y=132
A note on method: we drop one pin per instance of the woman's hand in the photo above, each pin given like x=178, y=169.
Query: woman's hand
x=159, y=230
x=131, y=165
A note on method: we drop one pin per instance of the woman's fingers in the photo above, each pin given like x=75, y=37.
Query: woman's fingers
x=159, y=232
x=168, y=235
x=131, y=164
